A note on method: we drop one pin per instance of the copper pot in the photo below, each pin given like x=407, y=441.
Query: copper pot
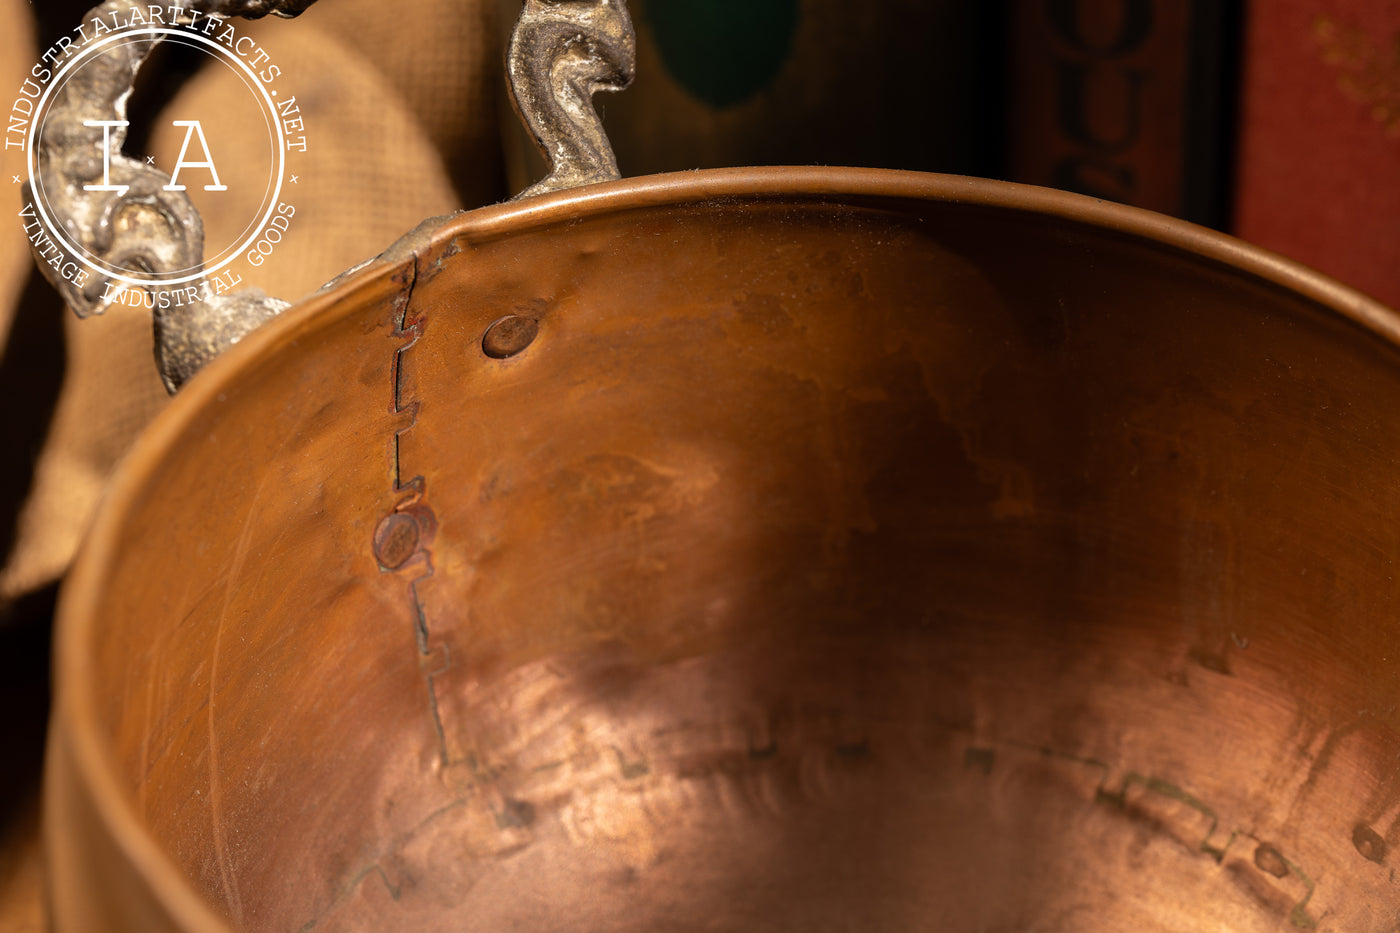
x=810, y=549
x=804, y=549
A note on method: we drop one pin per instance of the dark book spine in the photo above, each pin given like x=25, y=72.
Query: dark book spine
x=1127, y=100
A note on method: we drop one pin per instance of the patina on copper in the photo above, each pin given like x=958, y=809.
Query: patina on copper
x=847, y=550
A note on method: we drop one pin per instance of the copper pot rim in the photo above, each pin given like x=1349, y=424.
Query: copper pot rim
x=79, y=608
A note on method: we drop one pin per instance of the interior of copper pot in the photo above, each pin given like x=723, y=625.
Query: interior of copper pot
x=936, y=556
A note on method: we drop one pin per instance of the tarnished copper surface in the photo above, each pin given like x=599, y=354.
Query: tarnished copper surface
x=846, y=550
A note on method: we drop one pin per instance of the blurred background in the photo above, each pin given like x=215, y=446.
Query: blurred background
x=1275, y=120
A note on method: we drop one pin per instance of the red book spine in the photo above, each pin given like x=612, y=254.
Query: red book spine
x=1318, y=175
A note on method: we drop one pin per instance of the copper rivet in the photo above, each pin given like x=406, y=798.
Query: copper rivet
x=509, y=336
x=1269, y=859
x=395, y=540
x=1369, y=843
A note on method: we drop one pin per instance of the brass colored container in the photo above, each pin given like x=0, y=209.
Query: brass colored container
x=771, y=549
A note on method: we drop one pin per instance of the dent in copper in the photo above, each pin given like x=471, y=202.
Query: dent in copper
x=849, y=550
